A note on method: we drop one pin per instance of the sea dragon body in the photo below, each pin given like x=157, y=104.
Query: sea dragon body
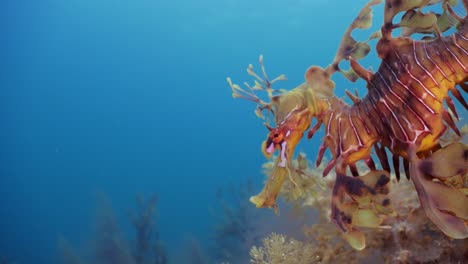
x=403, y=112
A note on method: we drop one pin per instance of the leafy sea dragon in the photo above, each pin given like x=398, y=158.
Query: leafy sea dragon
x=403, y=113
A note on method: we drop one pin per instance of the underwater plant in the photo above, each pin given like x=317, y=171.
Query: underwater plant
x=405, y=113
x=239, y=226
x=279, y=249
x=148, y=247
x=110, y=246
x=234, y=231
x=191, y=252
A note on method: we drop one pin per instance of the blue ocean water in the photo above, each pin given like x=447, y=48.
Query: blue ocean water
x=121, y=98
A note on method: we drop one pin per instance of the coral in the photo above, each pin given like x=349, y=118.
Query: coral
x=277, y=249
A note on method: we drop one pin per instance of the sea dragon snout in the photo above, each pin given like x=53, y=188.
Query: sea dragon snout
x=283, y=138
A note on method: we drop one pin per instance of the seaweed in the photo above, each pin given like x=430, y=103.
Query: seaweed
x=236, y=226
x=111, y=246
x=239, y=226
x=148, y=247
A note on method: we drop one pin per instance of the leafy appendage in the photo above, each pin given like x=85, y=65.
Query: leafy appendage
x=349, y=48
x=260, y=84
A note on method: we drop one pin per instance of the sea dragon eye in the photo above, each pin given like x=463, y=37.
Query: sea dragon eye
x=274, y=140
x=278, y=138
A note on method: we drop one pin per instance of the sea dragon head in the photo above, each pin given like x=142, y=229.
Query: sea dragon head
x=292, y=112
x=292, y=118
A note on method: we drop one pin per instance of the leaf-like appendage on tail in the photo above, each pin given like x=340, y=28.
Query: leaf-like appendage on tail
x=439, y=181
